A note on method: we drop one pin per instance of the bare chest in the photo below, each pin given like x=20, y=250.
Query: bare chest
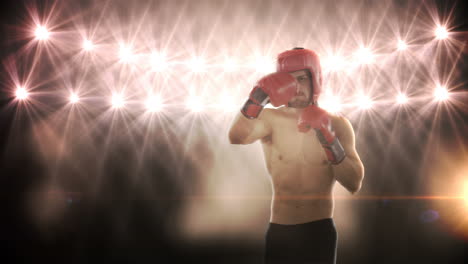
x=289, y=145
x=296, y=161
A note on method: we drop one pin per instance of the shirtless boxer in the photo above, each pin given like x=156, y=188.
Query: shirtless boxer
x=306, y=150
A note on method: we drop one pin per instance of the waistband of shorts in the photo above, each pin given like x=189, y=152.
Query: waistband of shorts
x=321, y=222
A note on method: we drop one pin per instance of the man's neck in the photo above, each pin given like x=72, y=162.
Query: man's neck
x=293, y=110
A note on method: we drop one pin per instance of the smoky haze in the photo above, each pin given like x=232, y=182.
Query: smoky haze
x=127, y=184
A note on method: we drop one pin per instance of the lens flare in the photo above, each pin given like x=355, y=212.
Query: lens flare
x=465, y=193
x=230, y=65
x=364, y=102
x=402, y=45
x=331, y=103
x=334, y=63
x=364, y=56
x=158, y=62
x=154, y=104
x=118, y=101
x=197, y=65
x=194, y=104
x=441, y=32
x=21, y=93
x=441, y=93
x=74, y=98
x=227, y=103
x=42, y=33
x=125, y=53
x=402, y=99
x=88, y=45
x=264, y=64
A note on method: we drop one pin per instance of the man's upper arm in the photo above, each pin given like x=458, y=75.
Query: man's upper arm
x=345, y=133
x=247, y=131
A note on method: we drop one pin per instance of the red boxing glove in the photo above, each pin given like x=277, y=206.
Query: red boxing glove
x=277, y=88
x=318, y=119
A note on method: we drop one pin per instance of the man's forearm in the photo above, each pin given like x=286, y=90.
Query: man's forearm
x=241, y=129
x=349, y=173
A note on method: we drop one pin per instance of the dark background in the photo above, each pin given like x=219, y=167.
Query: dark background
x=87, y=231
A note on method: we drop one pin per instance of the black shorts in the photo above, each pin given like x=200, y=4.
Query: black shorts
x=313, y=242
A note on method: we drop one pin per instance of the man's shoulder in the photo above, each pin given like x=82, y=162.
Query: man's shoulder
x=341, y=124
x=338, y=117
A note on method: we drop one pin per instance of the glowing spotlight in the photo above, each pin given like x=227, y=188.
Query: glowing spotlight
x=230, y=65
x=365, y=102
x=125, y=53
x=334, y=63
x=195, y=104
x=441, y=32
x=42, y=33
x=331, y=103
x=88, y=45
x=158, y=62
x=74, y=98
x=197, y=65
x=227, y=104
x=118, y=101
x=154, y=103
x=401, y=99
x=264, y=64
x=21, y=93
x=441, y=93
x=402, y=45
x=364, y=55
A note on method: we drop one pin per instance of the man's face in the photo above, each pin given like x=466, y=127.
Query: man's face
x=303, y=93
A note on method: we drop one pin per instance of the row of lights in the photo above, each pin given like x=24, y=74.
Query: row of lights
x=159, y=62
x=330, y=102
x=363, y=56
x=42, y=33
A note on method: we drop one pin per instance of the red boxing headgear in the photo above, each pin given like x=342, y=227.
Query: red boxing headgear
x=302, y=59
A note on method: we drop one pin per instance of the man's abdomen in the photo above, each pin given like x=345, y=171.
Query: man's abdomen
x=290, y=210
x=301, y=194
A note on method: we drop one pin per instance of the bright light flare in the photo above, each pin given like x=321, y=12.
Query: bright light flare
x=334, y=63
x=21, y=93
x=401, y=99
x=125, y=53
x=331, y=103
x=227, y=103
x=88, y=45
x=402, y=45
x=364, y=56
x=441, y=93
x=197, y=65
x=441, y=32
x=158, y=62
x=465, y=193
x=74, y=98
x=264, y=64
x=118, y=101
x=195, y=104
x=230, y=65
x=154, y=104
x=41, y=33
x=364, y=102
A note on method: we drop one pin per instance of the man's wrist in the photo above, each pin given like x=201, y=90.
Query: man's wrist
x=254, y=105
x=251, y=109
x=333, y=148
